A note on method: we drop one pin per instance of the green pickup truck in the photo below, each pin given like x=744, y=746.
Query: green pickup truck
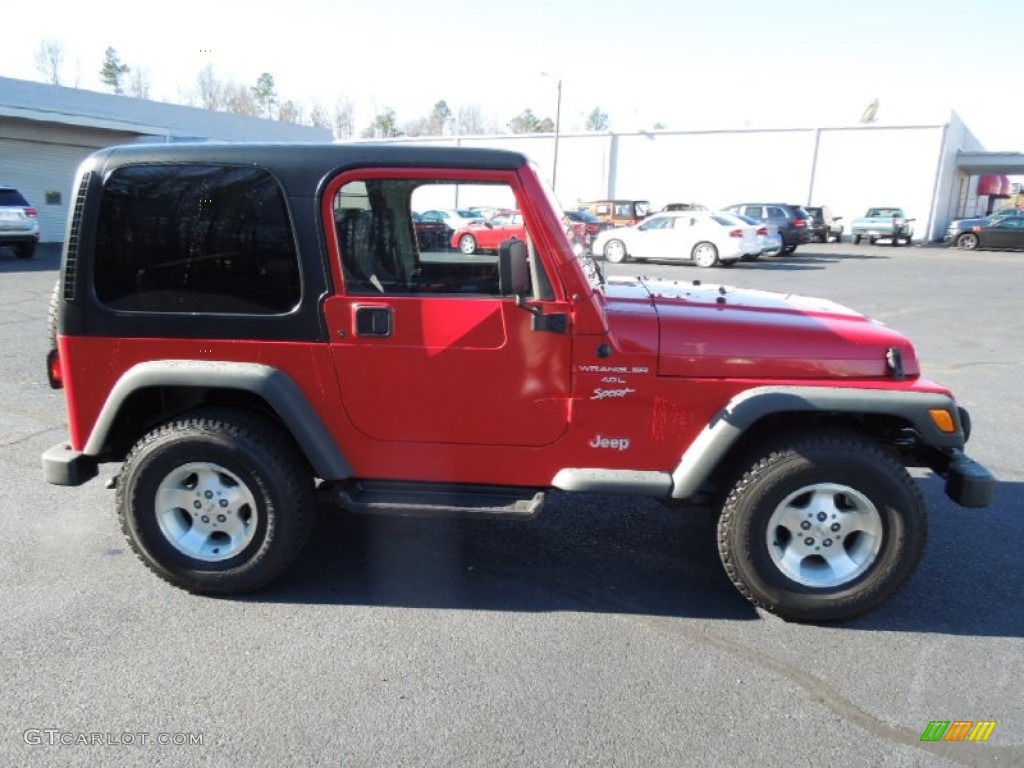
x=883, y=224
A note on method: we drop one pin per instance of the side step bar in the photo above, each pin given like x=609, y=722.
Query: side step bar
x=436, y=499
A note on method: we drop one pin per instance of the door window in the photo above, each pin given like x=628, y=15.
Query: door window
x=387, y=248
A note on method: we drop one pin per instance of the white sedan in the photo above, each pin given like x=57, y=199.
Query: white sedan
x=706, y=239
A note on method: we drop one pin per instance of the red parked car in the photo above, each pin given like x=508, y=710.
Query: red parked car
x=488, y=235
x=586, y=226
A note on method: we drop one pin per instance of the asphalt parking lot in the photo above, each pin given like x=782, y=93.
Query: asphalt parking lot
x=604, y=633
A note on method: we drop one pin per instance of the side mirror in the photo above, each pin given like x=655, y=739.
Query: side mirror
x=513, y=268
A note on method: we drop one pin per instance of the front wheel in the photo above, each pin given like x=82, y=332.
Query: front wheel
x=467, y=244
x=705, y=255
x=856, y=239
x=968, y=241
x=615, y=251
x=822, y=527
x=216, y=502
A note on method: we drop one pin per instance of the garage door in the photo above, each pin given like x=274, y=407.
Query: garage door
x=35, y=169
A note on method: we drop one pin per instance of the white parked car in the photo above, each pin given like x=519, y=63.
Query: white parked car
x=706, y=239
x=769, y=240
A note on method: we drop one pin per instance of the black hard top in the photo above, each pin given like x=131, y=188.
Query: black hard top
x=307, y=162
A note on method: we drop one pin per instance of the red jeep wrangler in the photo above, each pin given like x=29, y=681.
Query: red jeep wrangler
x=246, y=326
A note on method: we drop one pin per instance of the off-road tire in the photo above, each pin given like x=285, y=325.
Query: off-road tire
x=51, y=317
x=256, y=460
x=769, y=490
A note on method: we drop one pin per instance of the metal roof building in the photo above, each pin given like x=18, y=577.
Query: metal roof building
x=936, y=171
x=47, y=130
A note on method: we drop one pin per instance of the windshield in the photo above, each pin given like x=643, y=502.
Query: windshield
x=591, y=269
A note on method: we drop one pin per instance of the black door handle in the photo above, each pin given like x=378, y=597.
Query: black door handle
x=373, y=321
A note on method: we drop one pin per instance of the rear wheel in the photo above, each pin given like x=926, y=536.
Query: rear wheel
x=615, y=251
x=705, y=254
x=25, y=250
x=822, y=527
x=856, y=239
x=216, y=502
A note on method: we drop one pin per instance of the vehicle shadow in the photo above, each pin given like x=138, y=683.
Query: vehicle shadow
x=46, y=259
x=970, y=580
x=607, y=554
x=583, y=553
x=807, y=260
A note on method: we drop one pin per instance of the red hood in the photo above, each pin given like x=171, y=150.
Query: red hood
x=712, y=331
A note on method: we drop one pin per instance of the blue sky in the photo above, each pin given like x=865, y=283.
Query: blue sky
x=692, y=65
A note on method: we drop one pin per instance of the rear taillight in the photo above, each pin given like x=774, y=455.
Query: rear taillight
x=53, y=370
x=763, y=231
x=736, y=233
x=799, y=223
x=31, y=212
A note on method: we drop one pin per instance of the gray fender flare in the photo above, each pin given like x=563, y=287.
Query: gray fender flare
x=744, y=410
x=275, y=387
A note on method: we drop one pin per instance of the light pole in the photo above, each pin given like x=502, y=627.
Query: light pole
x=558, y=130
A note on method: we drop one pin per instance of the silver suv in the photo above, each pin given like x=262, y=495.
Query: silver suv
x=792, y=221
x=19, y=225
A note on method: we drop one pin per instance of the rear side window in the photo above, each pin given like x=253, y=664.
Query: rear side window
x=12, y=197
x=195, y=238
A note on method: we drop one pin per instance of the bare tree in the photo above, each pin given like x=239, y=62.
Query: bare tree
x=418, y=127
x=138, y=83
x=49, y=60
x=239, y=100
x=211, y=89
x=344, y=119
x=319, y=117
x=470, y=121
x=290, y=112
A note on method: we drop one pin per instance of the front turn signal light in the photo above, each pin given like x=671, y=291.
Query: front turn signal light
x=943, y=420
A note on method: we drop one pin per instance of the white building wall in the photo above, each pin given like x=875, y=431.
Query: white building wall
x=859, y=168
x=848, y=169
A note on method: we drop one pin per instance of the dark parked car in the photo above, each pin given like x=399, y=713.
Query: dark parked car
x=958, y=226
x=997, y=232
x=792, y=221
x=825, y=228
